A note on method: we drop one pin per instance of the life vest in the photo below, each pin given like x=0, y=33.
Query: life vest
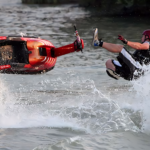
x=143, y=56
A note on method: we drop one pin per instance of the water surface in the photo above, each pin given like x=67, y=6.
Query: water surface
x=76, y=105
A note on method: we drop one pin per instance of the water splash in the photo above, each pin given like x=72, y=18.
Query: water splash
x=78, y=105
x=22, y=34
x=142, y=97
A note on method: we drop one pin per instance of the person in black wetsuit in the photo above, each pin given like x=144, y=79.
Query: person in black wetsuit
x=128, y=66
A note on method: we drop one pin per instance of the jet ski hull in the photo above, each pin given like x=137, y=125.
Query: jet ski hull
x=38, y=55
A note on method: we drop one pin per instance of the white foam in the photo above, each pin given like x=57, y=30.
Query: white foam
x=142, y=98
x=90, y=111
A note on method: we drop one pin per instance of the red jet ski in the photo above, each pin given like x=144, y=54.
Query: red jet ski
x=31, y=55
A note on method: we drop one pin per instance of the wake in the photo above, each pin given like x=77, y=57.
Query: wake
x=88, y=109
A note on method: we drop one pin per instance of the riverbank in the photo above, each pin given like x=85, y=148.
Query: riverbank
x=102, y=7
x=48, y=1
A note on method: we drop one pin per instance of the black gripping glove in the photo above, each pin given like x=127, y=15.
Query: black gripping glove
x=78, y=46
x=120, y=37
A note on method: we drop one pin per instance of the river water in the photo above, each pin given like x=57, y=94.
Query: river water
x=76, y=105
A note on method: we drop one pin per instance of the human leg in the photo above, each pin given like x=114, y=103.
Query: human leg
x=115, y=48
x=111, y=68
x=127, y=67
x=110, y=65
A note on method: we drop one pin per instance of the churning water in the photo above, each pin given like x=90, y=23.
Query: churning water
x=76, y=105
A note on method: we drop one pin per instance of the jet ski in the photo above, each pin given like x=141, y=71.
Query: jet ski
x=32, y=55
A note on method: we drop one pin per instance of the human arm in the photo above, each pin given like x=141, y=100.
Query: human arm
x=134, y=45
x=138, y=46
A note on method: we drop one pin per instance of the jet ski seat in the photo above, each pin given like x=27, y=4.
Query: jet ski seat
x=13, y=52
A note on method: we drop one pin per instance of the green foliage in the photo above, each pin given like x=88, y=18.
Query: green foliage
x=96, y=3
x=106, y=7
x=134, y=2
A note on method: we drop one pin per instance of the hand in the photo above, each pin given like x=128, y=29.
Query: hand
x=120, y=37
x=78, y=46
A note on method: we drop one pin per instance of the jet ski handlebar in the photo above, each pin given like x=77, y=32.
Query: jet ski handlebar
x=78, y=39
